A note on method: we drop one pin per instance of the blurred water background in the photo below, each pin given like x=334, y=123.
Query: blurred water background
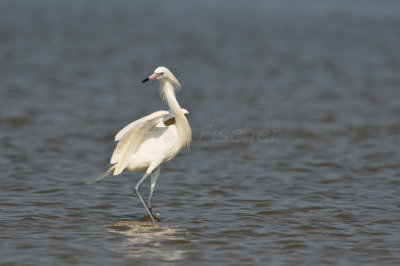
x=294, y=107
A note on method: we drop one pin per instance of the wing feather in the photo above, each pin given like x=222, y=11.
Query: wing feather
x=123, y=131
x=171, y=115
x=131, y=136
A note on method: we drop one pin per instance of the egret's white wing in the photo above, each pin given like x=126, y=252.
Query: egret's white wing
x=170, y=118
x=123, y=131
x=132, y=136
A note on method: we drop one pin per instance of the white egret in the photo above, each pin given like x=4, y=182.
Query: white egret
x=148, y=142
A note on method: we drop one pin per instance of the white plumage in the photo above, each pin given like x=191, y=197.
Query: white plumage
x=146, y=143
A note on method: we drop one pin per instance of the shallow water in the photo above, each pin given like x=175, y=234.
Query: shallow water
x=295, y=116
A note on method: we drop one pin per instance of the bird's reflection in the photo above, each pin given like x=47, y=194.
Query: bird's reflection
x=151, y=240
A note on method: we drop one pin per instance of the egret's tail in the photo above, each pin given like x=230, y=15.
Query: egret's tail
x=101, y=176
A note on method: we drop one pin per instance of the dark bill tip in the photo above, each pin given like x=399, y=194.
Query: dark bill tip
x=146, y=79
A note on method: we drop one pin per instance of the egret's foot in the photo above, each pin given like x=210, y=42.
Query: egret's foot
x=147, y=218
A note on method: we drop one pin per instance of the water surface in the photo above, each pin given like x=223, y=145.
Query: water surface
x=294, y=109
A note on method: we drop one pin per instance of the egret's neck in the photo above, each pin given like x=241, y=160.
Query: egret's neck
x=168, y=91
x=182, y=125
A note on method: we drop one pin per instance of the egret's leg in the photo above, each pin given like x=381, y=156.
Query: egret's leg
x=154, y=176
x=140, y=197
x=149, y=170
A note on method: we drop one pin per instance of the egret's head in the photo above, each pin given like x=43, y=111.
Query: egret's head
x=163, y=74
